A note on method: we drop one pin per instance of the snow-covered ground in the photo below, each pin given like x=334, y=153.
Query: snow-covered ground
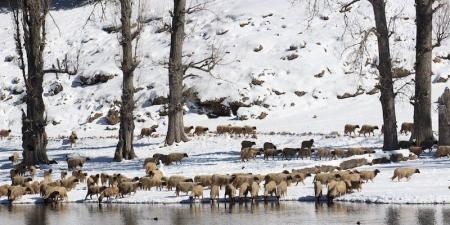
x=209, y=155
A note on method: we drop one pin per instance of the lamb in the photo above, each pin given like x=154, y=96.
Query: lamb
x=271, y=152
x=126, y=188
x=249, y=153
x=268, y=145
x=104, y=178
x=405, y=172
x=55, y=193
x=367, y=129
x=368, y=175
x=4, y=133
x=352, y=163
x=214, y=193
x=205, y=180
x=442, y=151
x=185, y=187
x=247, y=144
x=20, y=180
x=199, y=130
x=305, y=153
x=289, y=153
x=282, y=189
x=76, y=161
x=349, y=129
x=4, y=190
x=230, y=191
x=307, y=144
x=108, y=193
x=317, y=190
x=149, y=167
x=16, y=192
x=323, y=153
x=148, y=182
x=188, y=130
x=73, y=138
x=220, y=180
x=69, y=183
x=147, y=132
x=223, y=129
x=176, y=157
x=14, y=158
x=174, y=180
x=270, y=189
x=244, y=189
x=197, y=191
x=406, y=127
x=416, y=150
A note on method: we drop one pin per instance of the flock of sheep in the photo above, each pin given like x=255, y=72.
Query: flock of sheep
x=338, y=180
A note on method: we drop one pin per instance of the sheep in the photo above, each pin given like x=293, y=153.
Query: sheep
x=63, y=174
x=147, y=132
x=307, y=144
x=317, y=190
x=197, y=191
x=33, y=172
x=121, y=178
x=199, y=130
x=282, y=189
x=185, y=187
x=94, y=190
x=230, y=191
x=271, y=152
x=357, y=151
x=352, y=163
x=416, y=150
x=69, y=183
x=338, y=153
x=270, y=189
x=149, y=167
x=405, y=172
x=328, y=168
x=249, y=130
x=324, y=178
x=288, y=153
x=323, y=153
x=93, y=180
x=237, y=130
x=104, y=178
x=151, y=159
x=187, y=130
x=4, y=190
x=4, y=133
x=161, y=157
x=299, y=177
x=20, y=180
x=368, y=175
x=220, y=180
x=148, y=182
x=249, y=153
x=19, y=169
x=304, y=153
x=278, y=177
x=176, y=157
x=247, y=144
x=205, y=180
x=336, y=188
x=174, y=180
x=80, y=175
x=244, y=189
x=223, y=129
x=254, y=190
x=353, y=180
x=308, y=170
x=126, y=188
x=73, y=138
x=14, y=158
x=16, y=192
x=55, y=194
x=109, y=192
x=442, y=151
x=268, y=145
x=34, y=186
x=76, y=161
x=406, y=127
x=214, y=193
x=349, y=129
x=367, y=129
x=238, y=180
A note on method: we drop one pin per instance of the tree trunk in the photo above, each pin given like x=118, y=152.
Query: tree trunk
x=422, y=104
x=444, y=118
x=175, y=131
x=124, y=149
x=34, y=137
x=387, y=97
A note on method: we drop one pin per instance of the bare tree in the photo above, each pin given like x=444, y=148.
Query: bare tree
x=29, y=18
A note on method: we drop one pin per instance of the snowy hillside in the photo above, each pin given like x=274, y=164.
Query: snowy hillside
x=298, y=95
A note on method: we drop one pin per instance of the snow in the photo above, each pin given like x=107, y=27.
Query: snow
x=220, y=154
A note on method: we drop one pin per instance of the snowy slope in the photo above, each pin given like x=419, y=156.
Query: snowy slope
x=323, y=45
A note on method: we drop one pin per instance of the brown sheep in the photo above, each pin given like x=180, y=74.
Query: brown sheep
x=307, y=144
x=34, y=187
x=214, y=193
x=254, y=190
x=147, y=132
x=317, y=190
x=405, y=172
x=278, y=177
x=204, y=180
x=220, y=180
x=16, y=192
x=176, y=157
x=223, y=129
x=73, y=138
x=126, y=188
x=349, y=129
x=149, y=167
x=416, y=150
x=268, y=145
x=4, y=190
x=148, y=182
x=282, y=189
x=338, y=153
x=249, y=153
x=199, y=130
x=249, y=130
x=406, y=127
x=187, y=130
x=110, y=192
x=174, y=180
x=55, y=194
x=336, y=188
x=48, y=176
x=237, y=130
x=289, y=153
x=247, y=144
x=185, y=187
x=104, y=178
x=324, y=178
x=368, y=175
x=442, y=151
x=308, y=170
x=80, y=175
x=94, y=190
x=271, y=152
x=352, y=163
x=69, y=183
x=239, y=179
x=197, y=192
x=270, y=189
x=299, y=177
x=4, y=133
x=93, y=179
x=76, y=161
x=20, y=180
x=230, y=191
x=14, y=158
x=305, y=153
x=353, y=181
x=323, y=153
x=153, y=160
x=244, y=189
x=367, y=129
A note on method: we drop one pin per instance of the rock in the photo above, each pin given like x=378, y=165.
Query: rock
x=278, y=92
x=292, y=56
x=243, y=117
x=9, y=58
x=113, y=116
x=400, y=72
x=94, y=116
x=96, y=79
x=258, y=49
x=300, y=93
x=292, y=48
x=360, y=91
x=216, y=107
x=160, y=100
x=441, y=80
x=375, y=90
x=257, y=82
x=55, y=88
x=17, y=90
x=320, y=75
x=262, y=116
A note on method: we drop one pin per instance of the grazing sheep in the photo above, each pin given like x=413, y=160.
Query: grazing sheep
x=406, y=127
x=94, y=190
x=176, y=157
x=93, y=179
x=244, y=189
x=16, y=192
x=109, y=192
x=220, y=180
x=298, y=177
x=336, y=188
x=368, y=175
x=205, y=180
x=247, y=144
x=48, y=176
x=174, y=180
x=249, y=153
x=317, y=190
x=349, y=129
x=73, y=138
x=34, y=186
x=416, y=150
x=148, y=182
x=20, y=180
x=338, y=153
x=187, y=130
x=323, y=153
x=14, y=158
x=289, y=153
x=149, y=167
x=271, y=152
x=76, y=161
x=254, y=190
x=282, y=189
x=80, y=175
x=69, y=183
x=4, y=190
x=104, y=178
x=237, y=130
x=368, y=129
x=268, y=145
x=55, y=194
x=270, y=189
x=126, y=188
x=214, y=193
x=307, y=144
x=4, y=133
x=358, y=151
x=324, y=178
x=405, y=172
x=278, y=177
x=153, y=160
x=147, y=132
x=230, y=191
x=197, y=192
x=199, y=130
x=352, y=163
x=223, y=129
x=442, y=151
x=249, y=130
x=185, y=187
